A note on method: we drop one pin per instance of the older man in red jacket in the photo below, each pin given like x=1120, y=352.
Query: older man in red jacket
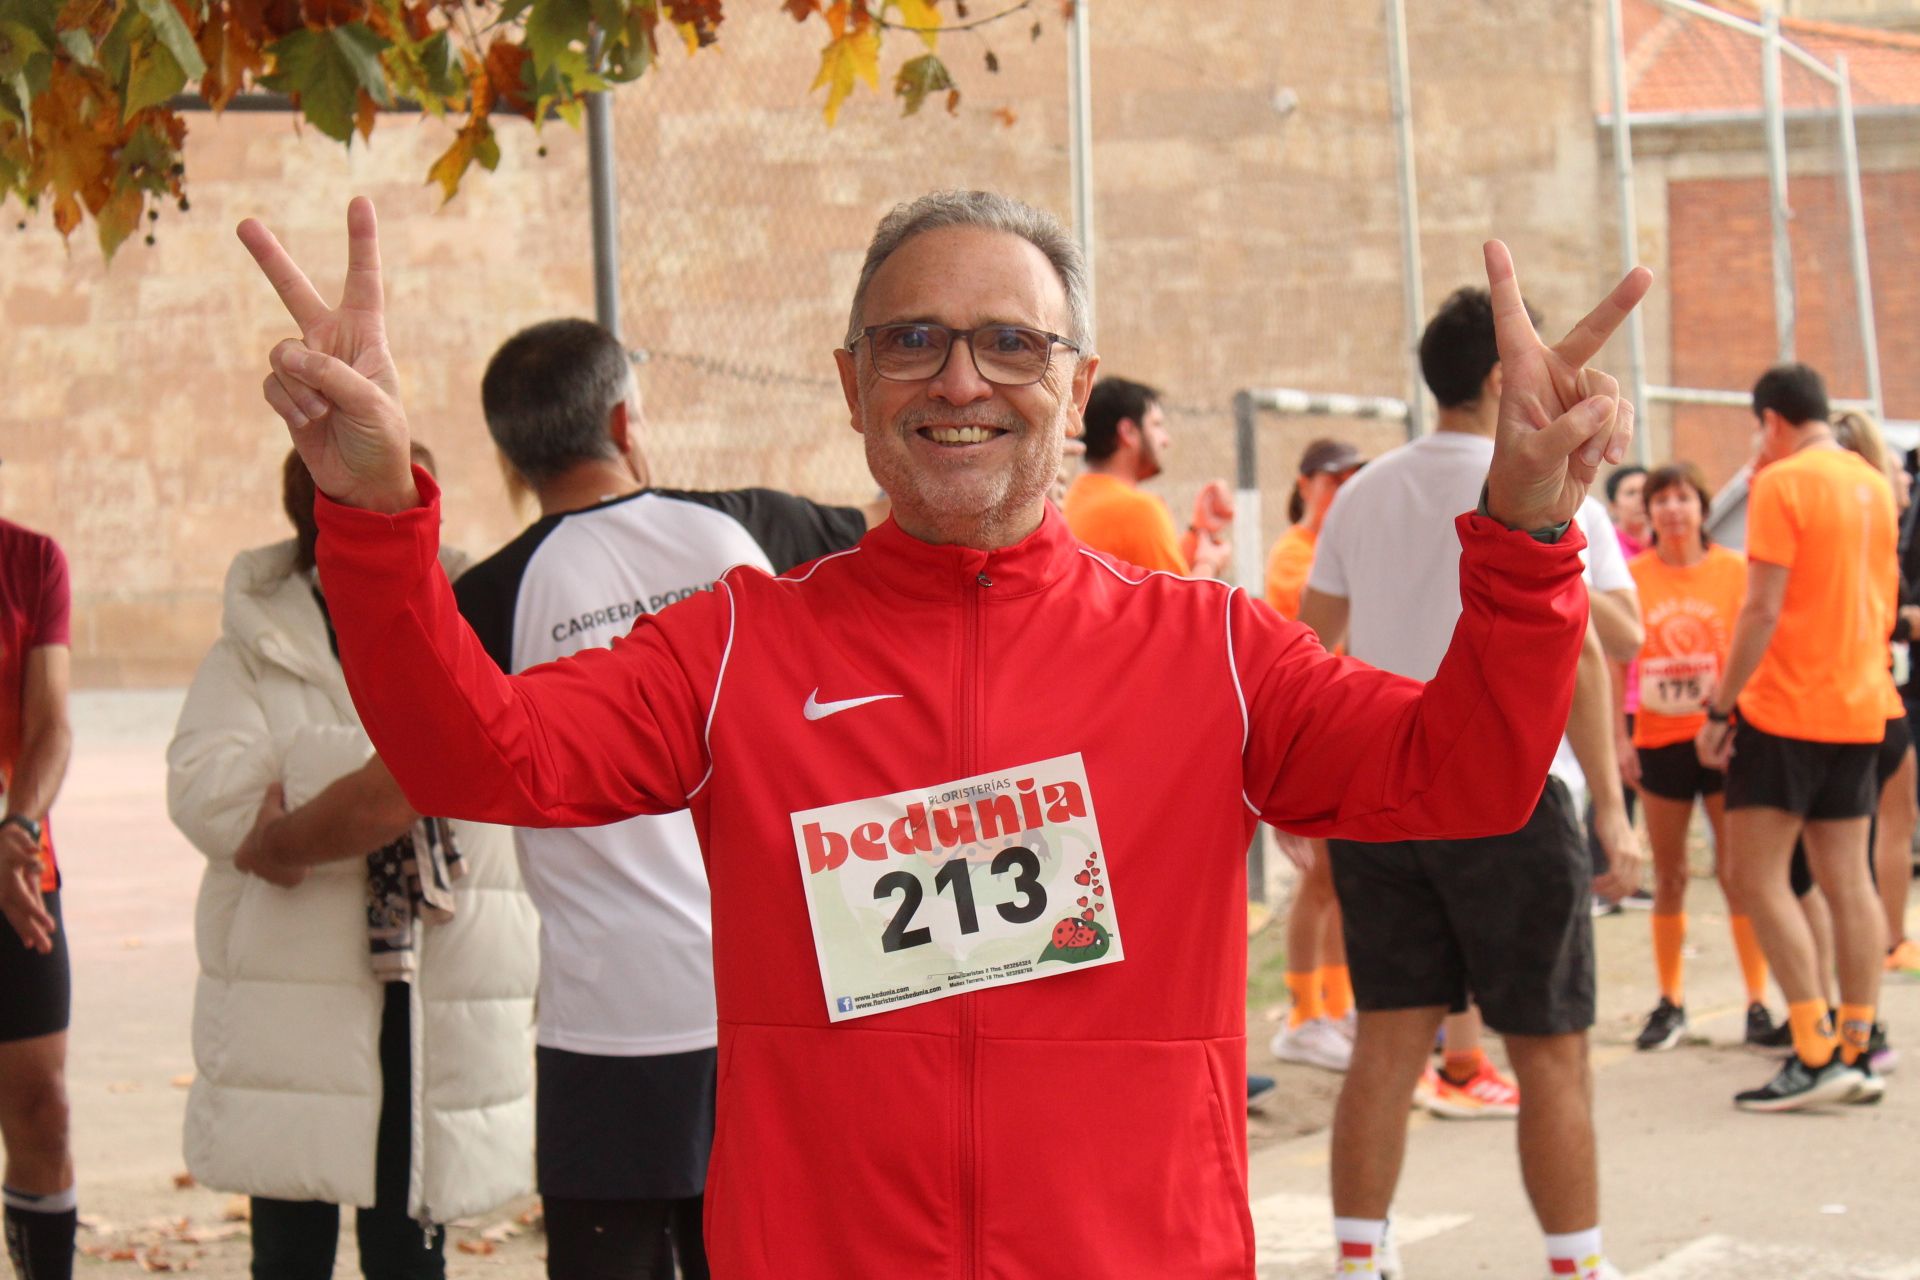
x=979, y=939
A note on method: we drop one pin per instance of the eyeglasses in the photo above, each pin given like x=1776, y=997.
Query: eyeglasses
x=1006, y=355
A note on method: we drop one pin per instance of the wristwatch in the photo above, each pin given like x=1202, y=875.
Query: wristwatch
x=26, y=824
x=1549, y=535
x=1717, y=716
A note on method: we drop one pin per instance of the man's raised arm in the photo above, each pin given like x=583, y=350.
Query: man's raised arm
x=1337, y=748
x=588, y=740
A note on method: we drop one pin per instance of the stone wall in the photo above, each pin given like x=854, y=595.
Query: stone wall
x=1245, y=224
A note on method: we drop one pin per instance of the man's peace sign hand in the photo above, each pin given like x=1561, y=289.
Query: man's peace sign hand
x=335, y=387
x=1558, y=418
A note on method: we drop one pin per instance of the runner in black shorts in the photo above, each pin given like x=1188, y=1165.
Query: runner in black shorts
x=1448, y=919
x=1807, y=672
x=35, y=742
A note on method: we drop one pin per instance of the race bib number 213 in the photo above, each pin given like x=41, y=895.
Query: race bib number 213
x=980, y=882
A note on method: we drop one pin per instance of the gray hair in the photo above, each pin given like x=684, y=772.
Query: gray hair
x=989, y=211
x=547, y=392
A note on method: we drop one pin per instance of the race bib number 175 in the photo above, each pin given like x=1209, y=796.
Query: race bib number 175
x=975, y=883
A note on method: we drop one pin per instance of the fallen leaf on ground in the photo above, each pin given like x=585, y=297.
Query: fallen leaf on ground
x=480, y=1247
x=183, y=1081
x=183, y=1181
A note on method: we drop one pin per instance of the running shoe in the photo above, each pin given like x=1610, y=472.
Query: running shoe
x=1665, y=1027
x=1881, y=1056
x=1638, y=900
x=1904, y=959
x=1317, y=1042
x=1259, y=1089
x=1765, y=1034
x=1358, y=1261
x=1605, y=907
x=1348, y=1024
x=1870, y=1088
x=1799, y=1086
x=1594, y=1268
x=1488, y=1096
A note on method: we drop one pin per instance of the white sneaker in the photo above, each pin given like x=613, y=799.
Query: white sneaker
x=1348, y=1025
x=1317, y=1043
x=1591, y=1269
x=1383, y=1265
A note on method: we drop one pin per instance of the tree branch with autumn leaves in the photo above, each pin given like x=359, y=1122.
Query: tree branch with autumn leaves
x=90, y=125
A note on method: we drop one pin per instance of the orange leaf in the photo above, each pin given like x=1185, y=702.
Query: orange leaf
x=364, y=108
x=801, y=9
x=232, y=52
x=505, y=61
x=1006, y=116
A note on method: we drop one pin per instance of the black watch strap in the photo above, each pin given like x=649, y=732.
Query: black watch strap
x=1718, y=716
x=1549, y=535
x=25, y=823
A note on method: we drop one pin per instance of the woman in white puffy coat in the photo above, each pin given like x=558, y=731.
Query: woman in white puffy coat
x=320, y=1083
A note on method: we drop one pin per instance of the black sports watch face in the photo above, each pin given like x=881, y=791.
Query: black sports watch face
x=23, y=822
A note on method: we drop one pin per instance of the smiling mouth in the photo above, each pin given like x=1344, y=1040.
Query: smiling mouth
x=959, y=435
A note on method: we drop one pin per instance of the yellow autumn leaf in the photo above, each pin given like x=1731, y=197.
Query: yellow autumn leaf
x=855, y=55
x=922, y=17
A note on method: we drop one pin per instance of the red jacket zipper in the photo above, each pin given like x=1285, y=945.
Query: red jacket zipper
x=973, y=665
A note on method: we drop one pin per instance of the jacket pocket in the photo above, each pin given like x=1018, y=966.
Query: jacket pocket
x=1111, y=1158
x=833, y=1154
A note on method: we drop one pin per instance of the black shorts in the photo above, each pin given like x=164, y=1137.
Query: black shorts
x=619, y=1128
x=36, y=991
x=1504, y=919
x=1893, y=749
x=1819, y=781
x=1674, y=772
x=1886, y=762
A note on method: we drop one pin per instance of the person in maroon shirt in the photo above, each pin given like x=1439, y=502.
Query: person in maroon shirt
x=35, y=742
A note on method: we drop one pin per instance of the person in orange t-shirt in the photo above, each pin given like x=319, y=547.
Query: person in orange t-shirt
x=35, y=976
x=1690, y=592
x=1807, y=672
x=1126, y=439
x=1319, y=1026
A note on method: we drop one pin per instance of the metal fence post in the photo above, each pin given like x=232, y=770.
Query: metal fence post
x=1629, y=223
x=1080, y=139
x=606, y=224
x=1783, y=291
x=1857, y=240
x=1412, y=303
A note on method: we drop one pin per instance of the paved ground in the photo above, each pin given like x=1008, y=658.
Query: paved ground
x=1693, y=1189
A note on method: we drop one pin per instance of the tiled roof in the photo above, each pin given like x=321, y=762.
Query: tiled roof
x=1680, y=63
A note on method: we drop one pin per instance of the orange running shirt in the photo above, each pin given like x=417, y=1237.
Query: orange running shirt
x=33, y=613
x=1112, y=516
x=1828, y=518
x=1688, y=614
x=1287, y=568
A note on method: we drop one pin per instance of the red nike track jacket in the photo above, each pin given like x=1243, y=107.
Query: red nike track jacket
x=1090, y=1124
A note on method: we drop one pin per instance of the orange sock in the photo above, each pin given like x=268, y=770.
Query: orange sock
x=1856, y=1028
x=1669, y=941
x=1305, y=989
x=1462, y=1067
x=1753, y=961
x=1813, y=1037
x=1336, y=990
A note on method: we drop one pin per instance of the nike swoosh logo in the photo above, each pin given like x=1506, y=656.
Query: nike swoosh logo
x=818, y=710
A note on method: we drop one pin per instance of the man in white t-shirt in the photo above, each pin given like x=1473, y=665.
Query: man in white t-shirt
x=1503, y=920
x=625, y=1049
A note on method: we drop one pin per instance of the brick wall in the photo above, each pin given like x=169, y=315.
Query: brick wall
x=1720, y=263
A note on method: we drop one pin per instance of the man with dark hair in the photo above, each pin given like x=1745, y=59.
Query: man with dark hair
x=1806, y=677
x=625, y=1051
x=1503, y=919
x=977, y=861
x=1126, y=437
x=35, y=974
